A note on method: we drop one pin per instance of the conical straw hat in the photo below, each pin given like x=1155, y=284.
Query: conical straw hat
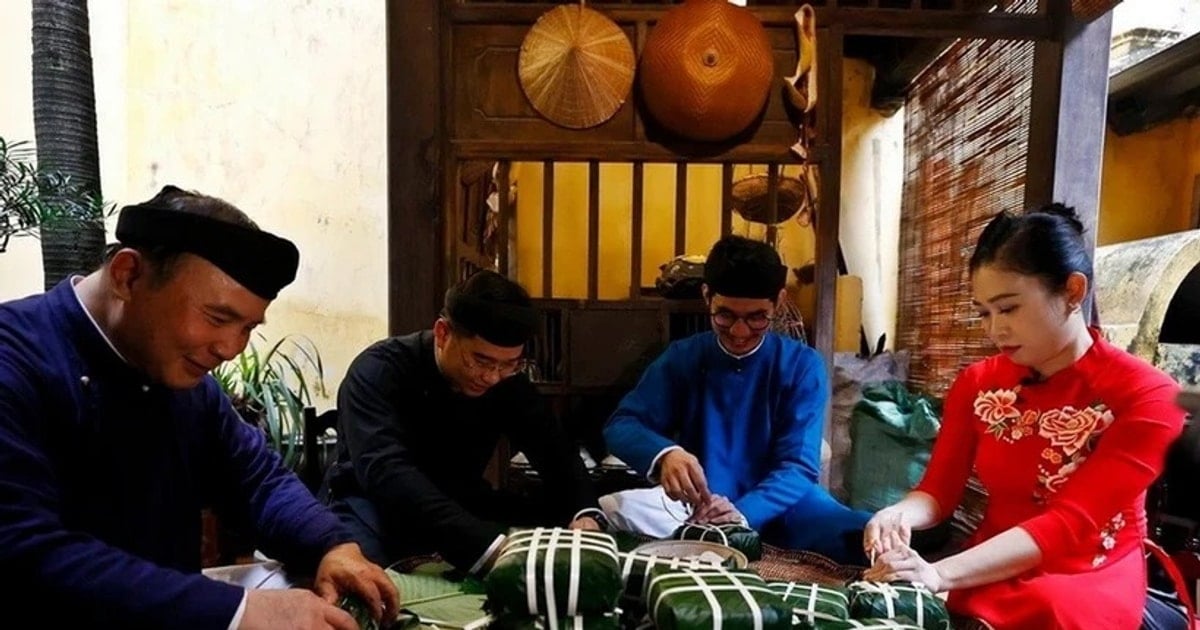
x=576, y=66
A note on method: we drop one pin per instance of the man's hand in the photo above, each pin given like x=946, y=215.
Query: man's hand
x=718, y=511
x=586, y=523
x=292, y=609
x=682, y=477
x=344, y=571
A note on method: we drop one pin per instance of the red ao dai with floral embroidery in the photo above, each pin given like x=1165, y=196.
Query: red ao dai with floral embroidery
x=1068, y=459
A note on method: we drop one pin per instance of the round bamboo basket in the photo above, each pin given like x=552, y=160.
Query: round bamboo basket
x=751, y=198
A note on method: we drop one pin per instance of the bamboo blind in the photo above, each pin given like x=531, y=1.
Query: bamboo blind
x=967, y=124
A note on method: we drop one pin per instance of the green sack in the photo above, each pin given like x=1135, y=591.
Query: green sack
x=893, y=431
x=739, y=537
x=525, y=622
x=555, y=571
x=702, y=600
x=636, y=569
x=813, y=602
x=878, y=600
x=899, y=623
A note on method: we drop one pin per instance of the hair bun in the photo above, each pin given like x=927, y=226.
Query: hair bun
x=1063, y=211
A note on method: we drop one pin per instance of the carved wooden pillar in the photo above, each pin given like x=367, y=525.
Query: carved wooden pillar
x=416, y=138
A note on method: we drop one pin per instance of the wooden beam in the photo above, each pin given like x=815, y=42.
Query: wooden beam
x=772, y=203
x=1157, y=89
x=681, y=174
x=536, y=151
x=415, y=142
x=726, y=199
x=1067, y=117
x=505, y=212
x=635, y=233
x=548, y=229
x=830, y=43
x=898, y=60
x=593, y=252
x=853, y=20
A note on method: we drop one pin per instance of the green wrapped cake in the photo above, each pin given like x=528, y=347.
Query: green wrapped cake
x=879, y=600
x=526, y=622
x=555, y=572
x=636, y=569
x=713, y=599
x=739, y=537
x=812, y=603
x=863, y=624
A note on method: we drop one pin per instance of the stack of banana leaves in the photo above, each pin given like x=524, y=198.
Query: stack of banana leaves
x=729, y=599
x=739, y=537
x=431, y=597
x=563, y=579
x=907, y=601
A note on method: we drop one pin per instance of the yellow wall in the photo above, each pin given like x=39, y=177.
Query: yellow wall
x=569, y=262
x=871, y=184
x=1148, y=181
x=275, y=105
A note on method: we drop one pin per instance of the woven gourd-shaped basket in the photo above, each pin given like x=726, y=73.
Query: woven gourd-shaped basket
x=576, y=66
x=706, y=70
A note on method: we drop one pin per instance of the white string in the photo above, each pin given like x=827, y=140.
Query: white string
x=548, y=574
x=890, y=593
x=755, y=610
x=705, y=527
x=573, y=593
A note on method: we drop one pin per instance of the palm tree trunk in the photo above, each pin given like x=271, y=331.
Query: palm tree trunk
x=64, y=119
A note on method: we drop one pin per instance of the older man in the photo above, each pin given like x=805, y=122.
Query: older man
x=113, y=436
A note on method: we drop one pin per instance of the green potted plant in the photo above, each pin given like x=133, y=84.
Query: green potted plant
x=271, y=390
x=32, y=198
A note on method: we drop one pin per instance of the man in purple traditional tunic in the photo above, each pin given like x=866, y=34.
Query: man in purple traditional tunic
x=113, y=437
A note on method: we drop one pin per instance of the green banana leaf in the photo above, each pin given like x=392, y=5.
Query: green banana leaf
x=899, y=623
x=358, y=609
x=636, y=568
x=876, y=600
x=523, y=622
x=544, y=571
x=697, y=600
x=739, y=537
x=812, y=603
x=428, y=598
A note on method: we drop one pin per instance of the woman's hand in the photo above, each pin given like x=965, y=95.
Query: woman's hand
x=902, y=564
x=886, y=531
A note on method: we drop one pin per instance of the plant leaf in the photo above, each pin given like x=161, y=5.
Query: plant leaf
x=429, y=598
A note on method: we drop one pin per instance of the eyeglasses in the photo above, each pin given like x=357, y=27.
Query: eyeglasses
x=755, y=321
x=503, y=369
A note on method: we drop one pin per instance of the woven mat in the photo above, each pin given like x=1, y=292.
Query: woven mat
x=786, y=565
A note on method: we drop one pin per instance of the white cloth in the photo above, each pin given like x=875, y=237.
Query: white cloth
x=645, y=511
x=266, y=575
